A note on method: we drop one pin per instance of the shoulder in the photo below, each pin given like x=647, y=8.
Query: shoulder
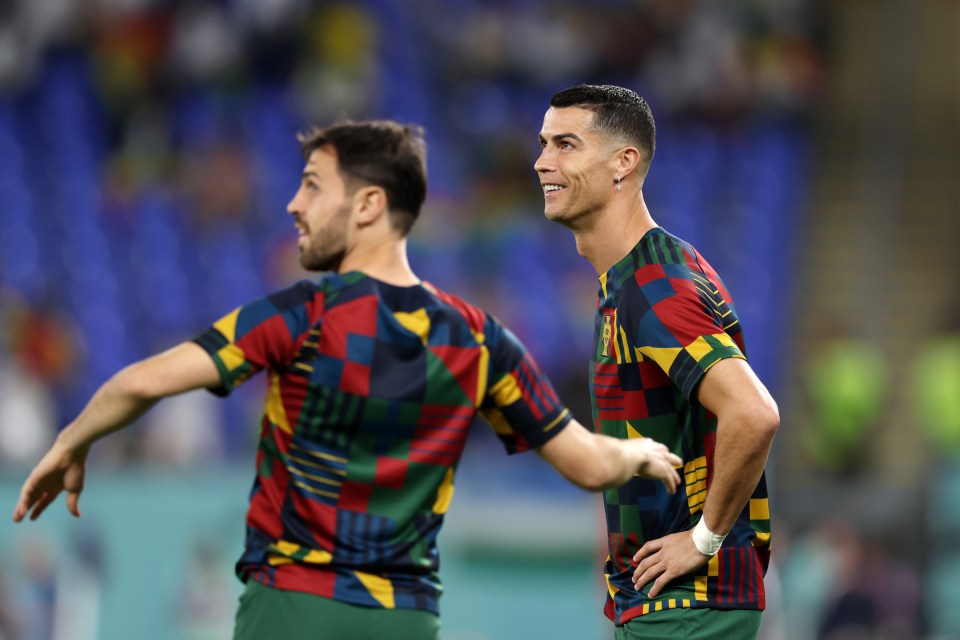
x=661, y=252
x=664, y=265
x=473, y=315
x=664, y=273
x=296, y=295
x=296, y=308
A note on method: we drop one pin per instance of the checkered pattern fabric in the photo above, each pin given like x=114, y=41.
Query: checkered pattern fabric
x=372, y=390
x=663, y=319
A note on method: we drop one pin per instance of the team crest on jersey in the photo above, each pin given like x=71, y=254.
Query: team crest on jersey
x=606, y=334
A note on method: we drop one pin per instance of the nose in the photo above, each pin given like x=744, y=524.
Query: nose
x=543, y=163
x=292, y=208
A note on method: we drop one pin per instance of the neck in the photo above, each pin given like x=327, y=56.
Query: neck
x=383, y=258
x=612, y=232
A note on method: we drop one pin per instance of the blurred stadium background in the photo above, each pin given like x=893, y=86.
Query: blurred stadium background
x=809, y=149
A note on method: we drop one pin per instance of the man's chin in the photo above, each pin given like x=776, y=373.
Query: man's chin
x=315, y=263
x=553, y=215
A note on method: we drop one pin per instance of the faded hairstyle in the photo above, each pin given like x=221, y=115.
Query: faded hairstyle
x=617, y=112
x=380, y=153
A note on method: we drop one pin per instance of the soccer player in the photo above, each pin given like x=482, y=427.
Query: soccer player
x=669, y=363
x=374, y=380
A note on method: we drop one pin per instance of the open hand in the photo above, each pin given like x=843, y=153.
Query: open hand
x=59, y=470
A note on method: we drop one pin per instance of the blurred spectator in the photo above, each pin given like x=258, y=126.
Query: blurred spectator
x=840, y=585
x=846, y=381
x=206, y=602
x=174, y=121
x=27, y=421
x=36, y=590
x=338, y=74
x=935, y=388
x=184, y=113
x=37, y=353
x=9, y=616
x=185, y=431
x=78, y=616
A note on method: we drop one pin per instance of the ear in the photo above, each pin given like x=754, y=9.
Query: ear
x=369, y=204
x=627, y=160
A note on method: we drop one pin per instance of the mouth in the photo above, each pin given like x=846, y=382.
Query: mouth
x=552, y=189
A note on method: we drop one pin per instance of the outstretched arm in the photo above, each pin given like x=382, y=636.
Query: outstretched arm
x=116, y=404
x=747, y=419
x=597, y=462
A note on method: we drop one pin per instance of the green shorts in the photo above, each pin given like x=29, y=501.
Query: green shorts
x=692, y=624
x=266, y=613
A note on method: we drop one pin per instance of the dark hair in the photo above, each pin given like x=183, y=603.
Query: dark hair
x=617, y=112
x=382, y=153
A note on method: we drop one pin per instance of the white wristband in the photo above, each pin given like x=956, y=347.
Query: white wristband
x=707, y=542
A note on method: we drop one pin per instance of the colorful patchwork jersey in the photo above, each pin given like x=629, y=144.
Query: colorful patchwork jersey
x=372, y=389
x=663, y=319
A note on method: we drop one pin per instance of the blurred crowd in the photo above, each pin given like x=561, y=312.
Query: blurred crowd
x=147, y=152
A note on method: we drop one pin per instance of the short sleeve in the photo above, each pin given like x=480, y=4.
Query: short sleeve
x=263, y=334
x=677, y=320
x=520, y=402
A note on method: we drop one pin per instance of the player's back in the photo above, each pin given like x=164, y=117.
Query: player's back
x=372, y=390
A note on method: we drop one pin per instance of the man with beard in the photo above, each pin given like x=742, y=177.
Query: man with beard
x=374, y=380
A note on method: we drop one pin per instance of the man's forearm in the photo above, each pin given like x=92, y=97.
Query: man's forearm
x=598, y=462
x=131, y=392
x=621, y=460
x=115, y=405
x=739, y=458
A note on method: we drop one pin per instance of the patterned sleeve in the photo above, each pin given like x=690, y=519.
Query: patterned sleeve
x=264, y=333
x=677, y=317
x=520, y=403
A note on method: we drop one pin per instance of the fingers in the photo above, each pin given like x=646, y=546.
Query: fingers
x=19, y=511
x=43, y=502
x=662, y=560
x=73, y=503
x=26, y=501
x=648, y=549
x=39, y=503
x=658, y=585
x=639, y=582
x=660, y=464
x=672, y=480
x=665, y=471
x=651, y=568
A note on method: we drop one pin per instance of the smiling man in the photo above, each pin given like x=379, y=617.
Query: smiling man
x=374, y=380
x=669, y=363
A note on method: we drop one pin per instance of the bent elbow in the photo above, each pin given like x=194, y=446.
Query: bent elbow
x=134, y=382
x=767, y=421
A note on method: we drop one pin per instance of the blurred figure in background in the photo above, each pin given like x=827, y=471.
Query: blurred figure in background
x=669, y=363
x=935, y=387
x=374, y=380
x=847, y=383
x=37, y=353
x=148, y=89
x=846, y=585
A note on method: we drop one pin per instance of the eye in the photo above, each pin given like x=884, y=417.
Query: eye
x=566, y=146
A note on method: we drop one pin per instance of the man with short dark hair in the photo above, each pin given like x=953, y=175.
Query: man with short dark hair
x=669, y=364
x=374, y=380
